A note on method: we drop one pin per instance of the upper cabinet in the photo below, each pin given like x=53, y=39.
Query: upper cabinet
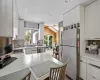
x=66, y=19
x=71, y=17
x=92, y=20
x=6, y=18
x=75, y=15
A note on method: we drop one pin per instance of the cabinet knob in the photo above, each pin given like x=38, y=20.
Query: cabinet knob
x=81, y=61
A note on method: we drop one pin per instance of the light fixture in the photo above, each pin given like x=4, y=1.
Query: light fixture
x=66, y=1
x=25, y=9
x=50, y=14
x=46, y=20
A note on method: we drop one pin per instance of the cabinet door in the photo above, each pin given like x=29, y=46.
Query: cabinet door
x=66, y=19
x=6, y=27
x=83, y=70
x=90, y=77
x=92, y=20
x=9, y=16
x=93, y=68
x=28, y=50
x=75, y=15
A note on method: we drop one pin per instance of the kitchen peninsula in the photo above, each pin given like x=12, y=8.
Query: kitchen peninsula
x=25, y=62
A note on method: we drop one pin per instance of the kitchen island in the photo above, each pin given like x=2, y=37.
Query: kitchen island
x=30, y=49
x=25, y=61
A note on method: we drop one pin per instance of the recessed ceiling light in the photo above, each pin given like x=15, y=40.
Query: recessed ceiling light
x=25, y=9
x=46, y=20
x=50, y=14
x=66, y=1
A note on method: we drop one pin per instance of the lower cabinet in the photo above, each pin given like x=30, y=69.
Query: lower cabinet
x=89, y=70
x=30, y=50
x=82, y=70
x=90, y=77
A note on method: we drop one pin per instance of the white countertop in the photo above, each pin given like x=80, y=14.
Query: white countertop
x=24, y=61
x=18, y=48
x=41, y=46
x=92, y=56
x=22, y=48
x=28, y=47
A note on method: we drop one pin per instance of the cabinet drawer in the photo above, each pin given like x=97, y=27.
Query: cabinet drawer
x=34, y=49
x=28, y=51
x=90, y=61
x=89, y=77
x=94, y=70
x=83, y=70
x=34, y=52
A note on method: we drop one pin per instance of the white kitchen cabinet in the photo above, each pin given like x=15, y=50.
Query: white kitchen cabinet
x=72, y=17
x=92, y=20
x=28, y=50
x=6, y=18
x=66, y=19
x=75, y=15
x=31, y=50
x=83, y=68
x=90, y=67
x=93, y=68
x=90, y=77
x=21, y=30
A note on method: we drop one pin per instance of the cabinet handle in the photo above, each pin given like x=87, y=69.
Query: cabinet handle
x=97, y=38
x=94, y=65
x=94, y=77
x=81, y=61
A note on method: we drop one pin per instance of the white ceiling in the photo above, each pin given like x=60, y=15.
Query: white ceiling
x=48, y=11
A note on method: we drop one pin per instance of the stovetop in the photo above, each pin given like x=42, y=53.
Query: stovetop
x=7, y=61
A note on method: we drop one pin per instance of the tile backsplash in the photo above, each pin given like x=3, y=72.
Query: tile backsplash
x=3, y=42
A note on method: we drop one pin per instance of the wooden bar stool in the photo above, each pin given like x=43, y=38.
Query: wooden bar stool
x=56, y=52
x=27, y=77
x=58, y=73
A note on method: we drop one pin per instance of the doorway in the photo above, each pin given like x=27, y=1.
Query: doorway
x=49, y=40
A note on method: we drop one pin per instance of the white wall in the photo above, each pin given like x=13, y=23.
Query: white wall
x=15, y=19
x=31, y=25
x=6, y=21
x=41, y=31
x=21, y=30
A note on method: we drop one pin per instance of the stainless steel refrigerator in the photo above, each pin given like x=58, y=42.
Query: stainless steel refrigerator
x=70, y=49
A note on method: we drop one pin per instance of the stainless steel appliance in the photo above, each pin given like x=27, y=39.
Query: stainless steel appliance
x=71, y=49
